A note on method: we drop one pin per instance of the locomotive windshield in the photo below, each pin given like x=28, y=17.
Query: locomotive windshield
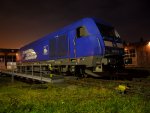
x=108, y=33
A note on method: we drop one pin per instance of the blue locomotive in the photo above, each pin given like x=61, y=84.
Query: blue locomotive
x=88, y=45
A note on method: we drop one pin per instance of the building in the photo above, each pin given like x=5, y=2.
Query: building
x=137, y=54
x=8, y=58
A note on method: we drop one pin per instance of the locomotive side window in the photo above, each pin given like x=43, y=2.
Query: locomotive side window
x=81, y=32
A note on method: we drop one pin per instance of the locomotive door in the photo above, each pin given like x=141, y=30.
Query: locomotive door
x=86, y=44
x=72, y=44
x=82, y=44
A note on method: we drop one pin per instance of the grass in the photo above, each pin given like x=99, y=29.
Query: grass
x=68, y=98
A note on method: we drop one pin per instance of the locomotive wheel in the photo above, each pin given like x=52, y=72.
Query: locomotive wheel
x=80, y=71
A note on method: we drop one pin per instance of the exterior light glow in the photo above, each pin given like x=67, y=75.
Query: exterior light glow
x=125, y=49
x=149, y=43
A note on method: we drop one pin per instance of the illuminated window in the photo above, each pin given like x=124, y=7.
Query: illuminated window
x=1, y=58
x=132, y=52
x=126, y=53
x=81, y=32
x=128, y=61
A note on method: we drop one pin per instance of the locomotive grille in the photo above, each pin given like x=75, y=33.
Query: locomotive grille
x=53, y=47
x=59, y=46
x=62, y=46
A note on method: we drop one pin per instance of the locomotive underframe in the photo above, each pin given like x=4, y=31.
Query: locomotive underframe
x=67, y=66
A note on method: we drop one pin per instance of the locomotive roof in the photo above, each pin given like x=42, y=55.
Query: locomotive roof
x=70, y=27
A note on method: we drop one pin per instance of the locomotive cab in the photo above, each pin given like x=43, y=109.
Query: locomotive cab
x=112, y=59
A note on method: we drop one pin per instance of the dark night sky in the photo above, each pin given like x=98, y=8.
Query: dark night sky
x=23, y=21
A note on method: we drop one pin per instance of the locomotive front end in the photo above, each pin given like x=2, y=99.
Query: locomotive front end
x=112, y=59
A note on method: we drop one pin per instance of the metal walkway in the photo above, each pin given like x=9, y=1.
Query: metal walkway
x=38, y=78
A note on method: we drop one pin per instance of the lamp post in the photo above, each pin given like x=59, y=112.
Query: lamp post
x=148, y=48
x=12, y=67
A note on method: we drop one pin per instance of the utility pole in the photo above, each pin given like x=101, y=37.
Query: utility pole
x=12, y=66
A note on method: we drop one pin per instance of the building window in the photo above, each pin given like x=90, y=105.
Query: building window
x=2, y=58
x=132, y=52
x=81, y=32
x=128, y=61
x=126, y=53
x=11, y=58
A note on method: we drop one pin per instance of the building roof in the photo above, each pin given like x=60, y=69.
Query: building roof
x=140, y=43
